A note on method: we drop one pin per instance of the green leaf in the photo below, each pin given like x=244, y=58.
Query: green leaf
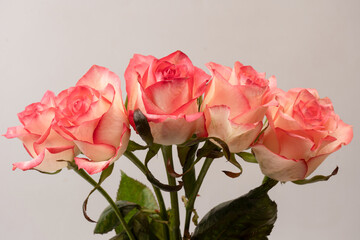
x=247, y=157
x=143, y=127
x=134, y=191
x=108, y=219
x=249, y=217
x=317, y=178
x=141, y=228
x=157, y=228
x=133, y=146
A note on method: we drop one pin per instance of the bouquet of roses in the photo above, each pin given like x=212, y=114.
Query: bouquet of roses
x=236, y=113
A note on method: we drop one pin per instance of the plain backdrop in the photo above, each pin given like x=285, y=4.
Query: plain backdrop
x=51, y=44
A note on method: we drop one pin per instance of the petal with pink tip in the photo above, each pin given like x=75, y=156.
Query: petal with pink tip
x=177, y=130
x=49, y=160
x=224, y=71
x=112, y=124
x=343, y=134
x=91, y=167
x=13, y=132
x=99, y=77
x=293, y=146
x=96, y=152
x=237, y=136
x=200, y=80
x=83, y=132
x=221, y=92
x=169, y=95
x=278, y=167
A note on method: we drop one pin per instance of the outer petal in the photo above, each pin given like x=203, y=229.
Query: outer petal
x=93, y=167
x=133, y=74
x=278, y=167
x=96, y=152
x=13, y=132
x=177, y=130
x=237, y=136
x=112, y=125
x=314, y=162
x=90, y=166
x=293, y=146
x=49, y=160
x=343, y=134
x=99, y=77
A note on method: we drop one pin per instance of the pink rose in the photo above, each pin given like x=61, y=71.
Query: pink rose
x=303, y=131
x=92, y=115
x=235, y=104
x=49, y=150
x=166, y=92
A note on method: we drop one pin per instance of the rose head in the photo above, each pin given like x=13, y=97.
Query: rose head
x=92, y=115
x=303, y=131
x=166, y=91
x=49, y=150
x=235, y=104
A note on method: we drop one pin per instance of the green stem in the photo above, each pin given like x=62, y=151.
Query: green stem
x=175, y=216
x=90, y=180
x=192, y=198
x=163, y=214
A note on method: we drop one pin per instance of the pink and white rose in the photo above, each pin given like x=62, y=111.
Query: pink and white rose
x=166, y=90
x=49, y=150
x=303, y=131
x=92, y=115
x=235, y=104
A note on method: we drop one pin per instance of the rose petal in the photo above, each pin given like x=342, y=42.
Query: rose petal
x=293, y=146
x=237, y=136
x=49, y=160
x=96, y=152
x=221, y=92
x=278, y=167
x=99, y=77
x=177, y=130
x=168, y=95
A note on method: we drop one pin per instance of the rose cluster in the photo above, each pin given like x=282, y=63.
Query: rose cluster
x=179, y=100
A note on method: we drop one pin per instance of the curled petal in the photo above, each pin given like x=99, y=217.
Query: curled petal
x=49, y=160
x=278, y=167
x=343, y=136
x=90, y=166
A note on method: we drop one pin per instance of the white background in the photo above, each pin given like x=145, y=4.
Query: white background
x=51, y=44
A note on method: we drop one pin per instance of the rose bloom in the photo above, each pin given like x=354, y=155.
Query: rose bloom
x=303, y=131
x=166, y=90
x=49, y=150
x=235, y=104
x=92, y=115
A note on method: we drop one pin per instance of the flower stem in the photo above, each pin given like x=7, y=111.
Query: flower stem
x=174, y=216
x=163, y=214
x=192, y=198
x=90, y=180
